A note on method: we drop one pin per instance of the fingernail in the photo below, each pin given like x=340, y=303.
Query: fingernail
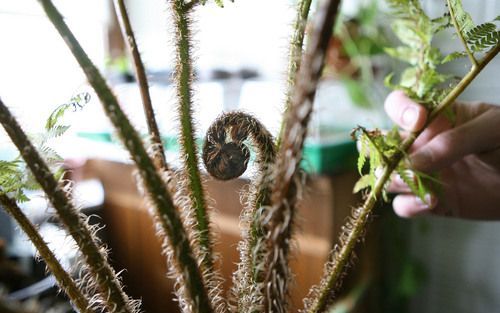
x=426, y=204
x=421, y=159
x=409, y=116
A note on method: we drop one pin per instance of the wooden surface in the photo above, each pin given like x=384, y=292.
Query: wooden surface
x=135, y=248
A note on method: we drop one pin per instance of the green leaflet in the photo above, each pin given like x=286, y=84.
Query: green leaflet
x=441, y=23
x=477, y=37
x=483, y=37
x=453, y=56
x=377, y=148
x=414, y=182
x=463, y=18
x=364, y=182
x=406, y=54
x=415, y=30
x=15, y=177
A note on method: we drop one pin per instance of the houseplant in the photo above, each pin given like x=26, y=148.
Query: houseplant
x=263, y=276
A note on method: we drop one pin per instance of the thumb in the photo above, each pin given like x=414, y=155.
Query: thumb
x=474, y=136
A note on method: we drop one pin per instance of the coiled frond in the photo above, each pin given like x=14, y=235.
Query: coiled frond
x=226, y=156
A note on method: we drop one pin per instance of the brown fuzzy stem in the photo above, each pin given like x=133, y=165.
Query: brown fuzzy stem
x=323, y=295
x=64, y=280
x=226, y=156
x=185, y=264
x=295, y=55
x=279, y=222
x=128, y=34
x=100, y=269
x=184, y=78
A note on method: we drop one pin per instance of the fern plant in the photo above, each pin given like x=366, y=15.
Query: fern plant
x=177, y=196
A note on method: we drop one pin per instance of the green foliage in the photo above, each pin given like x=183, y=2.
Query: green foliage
x=477, y=37
x=453, y=56
x=483, y=37
x=15, y=177
x=377, y=148
x=414, y=182
x=463, y=18
x=421, y=80
x=362, y=37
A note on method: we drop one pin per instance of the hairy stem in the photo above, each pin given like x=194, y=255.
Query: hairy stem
x=128, y=34
x=295, y=55
x=460, y=35
x=184, y=78
x=64, y=280
x=100, y=269
x=185, y=263
x=279, y=221
x=341, y=255
x=226, y=156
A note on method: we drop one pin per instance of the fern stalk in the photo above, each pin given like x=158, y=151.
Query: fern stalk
x=295, y=54
x=460, y=33
x=226, y=156
x=340, y=256
x=184, y=262
x=100, y=269
x=128, y=34
x=64, y=280
x=184, y=78
x=279, y=220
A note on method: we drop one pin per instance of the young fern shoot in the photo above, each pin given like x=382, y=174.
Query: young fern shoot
x=226, y=156
x=154, y=133
x=295, y=54
x=189, y=151
x=178, y=248
x=279, y=220
x=422, y=82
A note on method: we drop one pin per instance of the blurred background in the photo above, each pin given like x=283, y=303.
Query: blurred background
x=426, y=264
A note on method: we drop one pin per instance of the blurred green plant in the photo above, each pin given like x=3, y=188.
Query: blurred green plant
x=357, y=41
x=15, y=178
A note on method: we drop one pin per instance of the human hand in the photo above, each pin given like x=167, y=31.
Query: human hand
x=466, y=157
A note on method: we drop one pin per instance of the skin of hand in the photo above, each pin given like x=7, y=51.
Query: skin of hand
x=466, y=157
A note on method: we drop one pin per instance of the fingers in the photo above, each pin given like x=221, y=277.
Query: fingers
x=403, y=111
x=406, y=205
x=475, y=136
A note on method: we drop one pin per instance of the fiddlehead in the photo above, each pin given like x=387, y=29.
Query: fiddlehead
x=226, y=156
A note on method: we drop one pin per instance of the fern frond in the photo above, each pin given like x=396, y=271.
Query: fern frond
x=441, y=23
x=464, y=20
x=364, y=182
x=482, y=37
x=453, y=56
x=363, y=147
x=415, y=183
